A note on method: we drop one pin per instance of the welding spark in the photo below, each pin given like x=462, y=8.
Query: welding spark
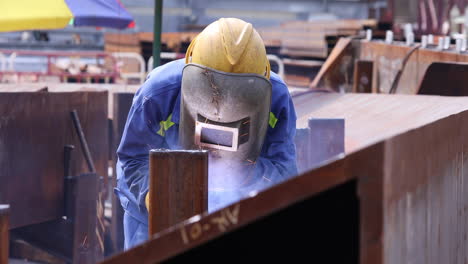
x=266, y=178
x=84, y=241
x=249, y=162
x=215, y=153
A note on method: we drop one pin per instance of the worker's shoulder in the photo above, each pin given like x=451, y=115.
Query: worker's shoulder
x=164, y=79
x=278, y=86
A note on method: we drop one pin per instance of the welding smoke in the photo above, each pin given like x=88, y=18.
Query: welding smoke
x=231, y=180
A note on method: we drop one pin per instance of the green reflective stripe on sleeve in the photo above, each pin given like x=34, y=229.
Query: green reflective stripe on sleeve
x=165, y=125
x=273, y=120
x=168, y=123
x=161, y=132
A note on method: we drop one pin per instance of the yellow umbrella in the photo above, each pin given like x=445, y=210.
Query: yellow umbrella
x=16, y=15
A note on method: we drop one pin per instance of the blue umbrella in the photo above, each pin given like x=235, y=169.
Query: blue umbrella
x=54, y=14
x=100, y=13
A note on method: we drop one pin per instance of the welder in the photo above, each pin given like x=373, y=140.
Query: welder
x=222, y=97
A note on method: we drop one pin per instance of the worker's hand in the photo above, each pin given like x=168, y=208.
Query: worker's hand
x=147, y=201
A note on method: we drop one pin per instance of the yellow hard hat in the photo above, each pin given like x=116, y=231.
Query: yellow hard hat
x=230, y=45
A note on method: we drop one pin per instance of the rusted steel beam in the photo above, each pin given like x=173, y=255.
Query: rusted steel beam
x=397, y=68
x=363, y=76
x=411, y=206
x=200, y=229
x=73, y=239
x=121, y=106
x=390, y=59
x=83, y=142
x=425, y=195
x=330, y=65
x=87, y=243
x=35, y=132
x=314, y=39
x=302, y=148
x=4, y=233
x=178, y=187
x=448, y=79
x=326, y=140
x=372, y=118
x=323, y=140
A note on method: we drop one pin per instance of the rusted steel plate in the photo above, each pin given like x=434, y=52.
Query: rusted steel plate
x=4, y=233
x=73, y=87
x=75, y=239
x=121, y=106
x=429, y=56
x=326, y=139
x=302, y=148
x=374, y=117
x=312, y=39
x=205, y=227
x=335, y=56
x=390, y=58
x=34, y=128
x=178, y=187
x=404, y=176
x=448, y=79
x=322, y=141
x=425, y=194
x=363, y=76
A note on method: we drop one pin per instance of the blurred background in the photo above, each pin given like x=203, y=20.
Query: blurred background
x=106, y=49
x=286, y=27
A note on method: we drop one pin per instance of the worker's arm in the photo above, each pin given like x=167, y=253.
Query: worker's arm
x=277, y=160
x=152, y=103
x=139, y=136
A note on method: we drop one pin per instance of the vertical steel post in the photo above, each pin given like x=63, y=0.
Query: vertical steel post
x=122, y=104
x=178, y=186
x=326, y=139
x=158, y=6
x=4, y=233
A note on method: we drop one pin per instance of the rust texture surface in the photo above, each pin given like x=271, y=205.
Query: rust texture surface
x=370, y=118
x=389, y=59
x=34, y=128
x=178, y=187
x=73, y=87
x=325, y=136
x=202, y=228
x=363, y=76
x=4, y=233
x=74, y=239
x=336, y=72
x=121, y=106
x=409, y=165
x=397, y=68
x=87, y=245
x=425, y=194
x=441, y=75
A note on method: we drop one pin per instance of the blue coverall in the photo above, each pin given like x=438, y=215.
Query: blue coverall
x=153, y=122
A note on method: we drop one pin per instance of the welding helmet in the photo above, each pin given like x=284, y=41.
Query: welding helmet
x=226, y=95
